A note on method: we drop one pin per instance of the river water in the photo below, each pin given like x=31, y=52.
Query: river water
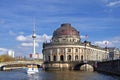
x=20, y=74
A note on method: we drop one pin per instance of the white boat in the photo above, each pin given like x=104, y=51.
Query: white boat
x=32, y=69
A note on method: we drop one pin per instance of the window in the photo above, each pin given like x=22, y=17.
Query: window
x=48, y=58
x=54, y=58
x=69, y=57
x=76, y=50
x=76, y=57
x=61, y=58
x=61, y=50
x=69, y=50
x=81, y=57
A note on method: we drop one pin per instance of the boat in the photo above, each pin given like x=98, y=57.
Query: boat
x=32, y=69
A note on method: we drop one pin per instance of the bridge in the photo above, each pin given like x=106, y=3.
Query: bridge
x=84, y=65
x=71, y=65
x=11, y=63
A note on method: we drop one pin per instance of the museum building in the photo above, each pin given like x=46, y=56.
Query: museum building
x=66, y=47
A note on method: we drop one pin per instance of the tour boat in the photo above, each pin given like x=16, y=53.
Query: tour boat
x=32, y=69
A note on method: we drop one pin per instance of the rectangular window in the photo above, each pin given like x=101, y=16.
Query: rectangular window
x=76, y=50
x=61, y=50
x=69, y=50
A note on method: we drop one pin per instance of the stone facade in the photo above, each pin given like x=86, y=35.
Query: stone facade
x=114, y=53
x=66, y=46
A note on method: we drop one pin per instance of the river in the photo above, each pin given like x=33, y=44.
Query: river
x=20, y=74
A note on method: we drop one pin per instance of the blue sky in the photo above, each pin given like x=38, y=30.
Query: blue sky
x=99, y=19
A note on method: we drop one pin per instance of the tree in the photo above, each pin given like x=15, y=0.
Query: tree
x=5, y=58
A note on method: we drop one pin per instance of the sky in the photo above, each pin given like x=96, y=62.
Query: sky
x=99, y=19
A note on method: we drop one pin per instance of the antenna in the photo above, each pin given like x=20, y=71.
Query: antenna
x=34, y=26
x=34, y=41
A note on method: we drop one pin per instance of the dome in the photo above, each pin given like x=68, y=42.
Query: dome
x=66, y=34
x=65, y=29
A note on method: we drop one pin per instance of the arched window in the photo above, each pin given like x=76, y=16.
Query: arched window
x=48, y=58
x=81, y=57
x=76, y=57
x=61, y=58
x=54, y=58
x=69, y=57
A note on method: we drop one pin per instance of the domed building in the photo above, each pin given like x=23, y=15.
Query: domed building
x=66, y=48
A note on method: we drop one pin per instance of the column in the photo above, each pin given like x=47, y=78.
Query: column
x=79, y=56
x=51, y=57
x=58, y=56
x=73, y=54
x=65, y=53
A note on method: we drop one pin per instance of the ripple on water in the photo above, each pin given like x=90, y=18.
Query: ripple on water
x=55, y=75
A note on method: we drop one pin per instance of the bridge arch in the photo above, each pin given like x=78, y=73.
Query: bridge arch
x=84, y=67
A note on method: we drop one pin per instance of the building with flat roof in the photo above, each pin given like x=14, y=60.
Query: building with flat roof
x=11, y=53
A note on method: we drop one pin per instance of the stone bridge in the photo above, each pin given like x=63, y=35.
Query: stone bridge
x=71, y=65
x=84, y=65
x=2, y=64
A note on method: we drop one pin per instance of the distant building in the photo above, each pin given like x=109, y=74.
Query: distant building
x=11, y=53
x=35, y=56
x=114, y=53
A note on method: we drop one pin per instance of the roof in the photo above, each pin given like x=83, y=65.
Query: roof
x=65, y=29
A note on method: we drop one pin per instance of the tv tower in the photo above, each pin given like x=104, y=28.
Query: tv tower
x=34, y=37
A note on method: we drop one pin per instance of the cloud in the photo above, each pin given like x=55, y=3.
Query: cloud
x=110, y=4
x=43, y=38
x=114, y=42
x=102, y=43
x=29, y=44
x=22, y=38
x=28, y=38
x=84, y=36
x=3, y=50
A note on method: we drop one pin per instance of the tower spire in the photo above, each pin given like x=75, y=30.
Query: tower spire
x=34, y=25
x=34, y=36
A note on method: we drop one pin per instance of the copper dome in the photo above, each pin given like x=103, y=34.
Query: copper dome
x=65, y=29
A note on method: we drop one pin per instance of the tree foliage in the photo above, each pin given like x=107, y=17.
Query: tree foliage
x=6, y=58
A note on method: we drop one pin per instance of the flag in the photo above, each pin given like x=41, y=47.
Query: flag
x=106, y=43
x=86, y=36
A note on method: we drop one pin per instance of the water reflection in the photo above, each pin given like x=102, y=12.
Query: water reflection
x=70, y=75
x=55, y=75
x=33, y=77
